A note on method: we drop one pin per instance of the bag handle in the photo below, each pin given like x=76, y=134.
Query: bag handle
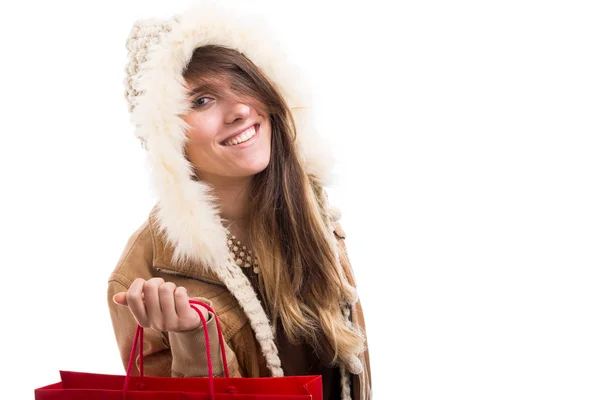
x=220, y=333
x=139, y=336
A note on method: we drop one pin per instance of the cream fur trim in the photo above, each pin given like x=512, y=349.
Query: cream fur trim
x=241, y=288
x=159, y=51
x=188, y=214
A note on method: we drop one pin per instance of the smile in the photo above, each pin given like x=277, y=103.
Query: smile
x=242, y=137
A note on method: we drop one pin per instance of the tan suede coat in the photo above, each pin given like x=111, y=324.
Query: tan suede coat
x=182, y=354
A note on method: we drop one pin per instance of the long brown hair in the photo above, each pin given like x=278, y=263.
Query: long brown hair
x=288, y=220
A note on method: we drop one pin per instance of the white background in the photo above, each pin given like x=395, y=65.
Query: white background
x=467, y=134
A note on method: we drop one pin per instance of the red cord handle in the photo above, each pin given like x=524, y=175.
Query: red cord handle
x=219, y=331
x=139, y=336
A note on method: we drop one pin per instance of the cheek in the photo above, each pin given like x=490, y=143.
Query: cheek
x=198, y=139
x=201, y=132
x=268, y=132
x=199, y=148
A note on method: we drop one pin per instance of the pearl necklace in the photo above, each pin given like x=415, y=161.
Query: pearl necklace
x=241, y=255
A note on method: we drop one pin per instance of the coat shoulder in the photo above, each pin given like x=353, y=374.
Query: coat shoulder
x=137, y=261
x=136, y=257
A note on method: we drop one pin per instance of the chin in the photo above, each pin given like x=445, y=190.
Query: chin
x=255, y=169
x=258, y=164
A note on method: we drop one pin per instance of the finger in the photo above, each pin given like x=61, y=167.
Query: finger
x=120, y=298
x=182, y=302
x=166, y=295
x=152, y=300
x=185, y=310
x=136, y=302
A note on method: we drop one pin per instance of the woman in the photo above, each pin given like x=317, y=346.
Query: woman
x=242, y=221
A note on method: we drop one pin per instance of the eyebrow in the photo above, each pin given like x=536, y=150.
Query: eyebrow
x=198, y=89
x=206, y=87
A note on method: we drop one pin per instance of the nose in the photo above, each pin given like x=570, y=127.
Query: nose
x=237, y=111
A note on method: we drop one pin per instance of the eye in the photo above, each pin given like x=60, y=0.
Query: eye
x=199, y=103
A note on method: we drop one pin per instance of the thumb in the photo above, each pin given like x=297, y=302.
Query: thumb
x=120, y=299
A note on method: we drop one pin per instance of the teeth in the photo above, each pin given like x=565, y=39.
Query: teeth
x=242, y=138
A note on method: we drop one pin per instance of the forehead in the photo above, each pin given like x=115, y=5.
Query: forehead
x=208, y=83
x=223, y=85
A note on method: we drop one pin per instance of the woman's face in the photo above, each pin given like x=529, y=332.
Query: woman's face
x=227, y=138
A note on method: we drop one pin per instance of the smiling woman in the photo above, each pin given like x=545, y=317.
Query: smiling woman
x=229, y=114
x=242, y=219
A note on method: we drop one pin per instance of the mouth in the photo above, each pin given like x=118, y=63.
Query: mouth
x=241, y=137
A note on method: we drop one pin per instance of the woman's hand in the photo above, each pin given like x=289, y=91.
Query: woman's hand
x=160, y=305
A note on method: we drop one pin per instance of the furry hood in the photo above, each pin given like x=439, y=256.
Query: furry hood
x=159, y=51
x=186, y=213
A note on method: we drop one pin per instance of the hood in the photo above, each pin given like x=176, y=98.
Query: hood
x=186, y=213
x=158, y=52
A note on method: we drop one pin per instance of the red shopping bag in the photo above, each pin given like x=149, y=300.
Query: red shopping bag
x=88, y=386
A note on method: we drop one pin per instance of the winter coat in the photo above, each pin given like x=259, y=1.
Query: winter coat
x=183, y=354
x=184, y=240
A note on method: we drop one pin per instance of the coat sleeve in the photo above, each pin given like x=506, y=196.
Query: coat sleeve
x=170, y=354
x=357, y=314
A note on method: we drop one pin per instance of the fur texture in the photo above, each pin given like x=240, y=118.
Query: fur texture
x=187, y=211
x=159, y=52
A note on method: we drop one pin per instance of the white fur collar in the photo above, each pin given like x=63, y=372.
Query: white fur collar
x=160, y=50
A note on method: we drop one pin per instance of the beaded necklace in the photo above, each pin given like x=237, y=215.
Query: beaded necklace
x=241, y=254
